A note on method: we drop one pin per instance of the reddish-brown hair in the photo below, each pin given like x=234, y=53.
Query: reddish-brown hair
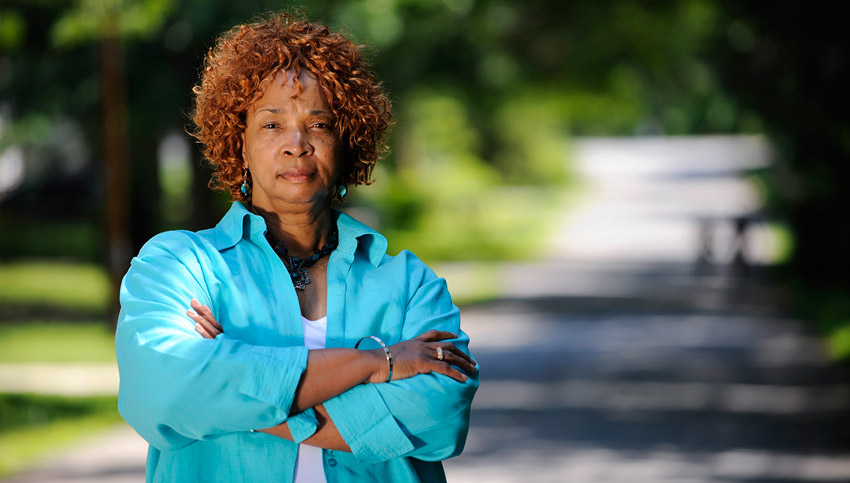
x=237, y=69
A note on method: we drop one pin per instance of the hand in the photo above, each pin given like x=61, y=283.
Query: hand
x=205, y=323
x=410, y=357
x=419, y=356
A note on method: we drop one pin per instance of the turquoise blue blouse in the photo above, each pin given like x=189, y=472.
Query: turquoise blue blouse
x=195, y=400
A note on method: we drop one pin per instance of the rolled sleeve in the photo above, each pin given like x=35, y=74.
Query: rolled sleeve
x=425, y=416
x=367, y=425
x=177, y=387
x=303, y=425
x=267, y=373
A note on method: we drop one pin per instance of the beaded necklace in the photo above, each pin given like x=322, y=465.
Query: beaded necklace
x=297, y=267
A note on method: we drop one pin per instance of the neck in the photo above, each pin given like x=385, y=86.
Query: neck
x=301, y=231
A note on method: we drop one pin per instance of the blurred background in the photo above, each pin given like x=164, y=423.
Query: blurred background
x=641, y=208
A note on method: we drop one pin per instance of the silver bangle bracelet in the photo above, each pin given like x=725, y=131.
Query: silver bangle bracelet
x=386, y=351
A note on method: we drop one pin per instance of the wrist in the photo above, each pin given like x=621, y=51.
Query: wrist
x=385, y=351
x=378, y=366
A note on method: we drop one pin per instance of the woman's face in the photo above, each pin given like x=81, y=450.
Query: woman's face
x=290, y=144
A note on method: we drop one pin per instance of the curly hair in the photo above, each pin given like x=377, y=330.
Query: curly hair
x=242, y=62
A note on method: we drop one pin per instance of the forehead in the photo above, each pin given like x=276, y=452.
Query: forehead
x=282, y=89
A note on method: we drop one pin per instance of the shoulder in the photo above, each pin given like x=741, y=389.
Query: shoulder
x=413, y=266
x=404, y=269
x=173, y=258
x=414, y=273
x=178, y=243
x=179, y=251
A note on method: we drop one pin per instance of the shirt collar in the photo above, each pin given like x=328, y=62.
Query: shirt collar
x=239, y=223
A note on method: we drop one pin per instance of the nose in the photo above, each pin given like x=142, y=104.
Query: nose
x=295, y=143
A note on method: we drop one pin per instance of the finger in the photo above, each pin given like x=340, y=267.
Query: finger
x=451, y=348
x=206, y=324
x=214, y=323
x=447, y=370
x=463, y=364
x=436, y=335
x=195, y=304
x=200, y=329
x=200, y=308
x=448, y=347
x=205, y=312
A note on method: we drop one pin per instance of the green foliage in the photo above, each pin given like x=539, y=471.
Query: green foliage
x=34, y=129
x=830, y=311
x=26, y=410
x=57, y=342
x=91, y=20
x=533, y=137
x=12, y=29
x=32, y=425
x=505, y=223
x=63, y=285
x=48, y=239
x=790, y=64
x=487, y=92
x=445, y=202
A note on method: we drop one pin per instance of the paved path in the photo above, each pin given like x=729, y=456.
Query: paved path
x=116, y=456
x=618, y=361
x=615, y=361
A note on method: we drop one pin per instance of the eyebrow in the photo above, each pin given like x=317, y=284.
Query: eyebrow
x=275, y=110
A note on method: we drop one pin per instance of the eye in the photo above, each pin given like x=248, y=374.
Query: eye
x=269, y=125
x=321, y=125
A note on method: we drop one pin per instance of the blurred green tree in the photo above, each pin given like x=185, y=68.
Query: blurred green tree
x=790, y=63
x=513, y=79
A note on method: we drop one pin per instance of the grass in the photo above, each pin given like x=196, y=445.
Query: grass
x=55, y=284
x=33, y=425
x=24, y=237
x=56, y=342
x=512, y=224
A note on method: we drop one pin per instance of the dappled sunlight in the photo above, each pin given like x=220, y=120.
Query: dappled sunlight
x=650, y=465
x=67, y=379
x=652, y=344
x=637, y=396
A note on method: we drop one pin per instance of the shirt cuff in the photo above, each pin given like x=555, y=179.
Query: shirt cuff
x=373, y=434
x=303, y=425
x=273, y=374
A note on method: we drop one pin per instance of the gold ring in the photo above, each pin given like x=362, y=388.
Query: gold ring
x=439, y=353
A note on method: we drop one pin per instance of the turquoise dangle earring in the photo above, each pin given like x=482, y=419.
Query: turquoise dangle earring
x=342, y=192
x=244, y=189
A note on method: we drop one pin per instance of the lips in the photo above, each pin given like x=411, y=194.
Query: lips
x=298, y=175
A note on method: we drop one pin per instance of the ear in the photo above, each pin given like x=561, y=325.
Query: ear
x=244, y=151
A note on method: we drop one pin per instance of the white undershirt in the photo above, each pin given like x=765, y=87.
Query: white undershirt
x=309, y=467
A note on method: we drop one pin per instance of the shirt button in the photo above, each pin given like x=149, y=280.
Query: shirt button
x=331, y=462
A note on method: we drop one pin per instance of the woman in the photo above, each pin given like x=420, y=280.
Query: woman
x=263, y=379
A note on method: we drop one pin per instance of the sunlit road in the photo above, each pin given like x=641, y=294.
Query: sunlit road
x=619, y=361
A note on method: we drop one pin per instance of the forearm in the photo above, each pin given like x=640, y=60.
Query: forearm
x=331, y=372
x=326, y=436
